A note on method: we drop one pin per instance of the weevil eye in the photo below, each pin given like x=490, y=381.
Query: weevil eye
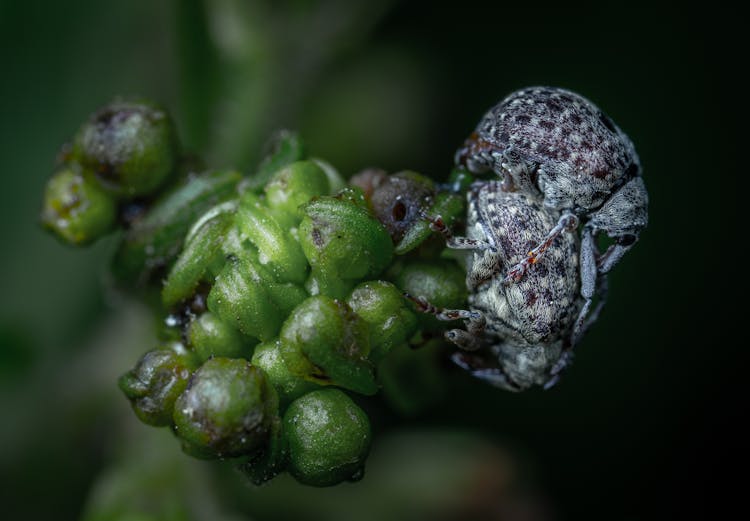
x=626, y=240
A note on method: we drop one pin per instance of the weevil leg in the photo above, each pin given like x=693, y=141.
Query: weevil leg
x=588, y=263
x=479, y=367
x=566, y=358
x=464, y=243
x=593, y=285
x=601, y=292
x=549, y=384
x=485, y=267
x=586, y=317
x=424, y=306
x=567, y=223
x=614, y=253
x=593, y=282
x=469, y=339
x=589, y=273
x=437, y=224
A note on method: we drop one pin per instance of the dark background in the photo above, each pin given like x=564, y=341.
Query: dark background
x=644, y=424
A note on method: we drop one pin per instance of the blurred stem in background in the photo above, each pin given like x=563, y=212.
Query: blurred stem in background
x=199, y=71
x=247, y=68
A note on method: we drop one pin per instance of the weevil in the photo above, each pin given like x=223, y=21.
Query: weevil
x=519, y=333
x=559, y=147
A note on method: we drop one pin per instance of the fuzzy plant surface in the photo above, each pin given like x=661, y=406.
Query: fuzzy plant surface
x=280, y=291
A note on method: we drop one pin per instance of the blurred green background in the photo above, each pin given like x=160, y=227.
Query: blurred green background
x=641, y=426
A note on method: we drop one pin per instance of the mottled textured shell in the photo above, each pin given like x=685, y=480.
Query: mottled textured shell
x=541, y=307
x=575, y=151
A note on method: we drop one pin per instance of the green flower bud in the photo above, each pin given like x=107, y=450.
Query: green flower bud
x=156, y=381
x=335, y=181
x=343, y=243
x=284, y=148
x=328, y=438
x=245, y=295
x=325, y=342
x=196, y=451
x=211, y=337
x=278, y=250
x=289, y=386
x=75, y=210
x=286, y=296
x=227, y=409
x=128, y=148
x=155, y=239
x=293, y=186
x=389, y=316
x=201, y=255
x=441, y=282
x=240, y=297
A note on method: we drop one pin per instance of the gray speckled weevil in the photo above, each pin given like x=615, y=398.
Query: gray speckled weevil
x=520, y=333
x=556, y=145
x=561, y=162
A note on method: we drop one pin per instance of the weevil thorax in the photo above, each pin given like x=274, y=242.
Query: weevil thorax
x=540, y=308
x=568, y=148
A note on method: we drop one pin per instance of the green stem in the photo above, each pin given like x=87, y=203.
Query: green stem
x=199, y=72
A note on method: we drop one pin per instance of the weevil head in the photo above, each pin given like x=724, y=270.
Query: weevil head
x=555, y=142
